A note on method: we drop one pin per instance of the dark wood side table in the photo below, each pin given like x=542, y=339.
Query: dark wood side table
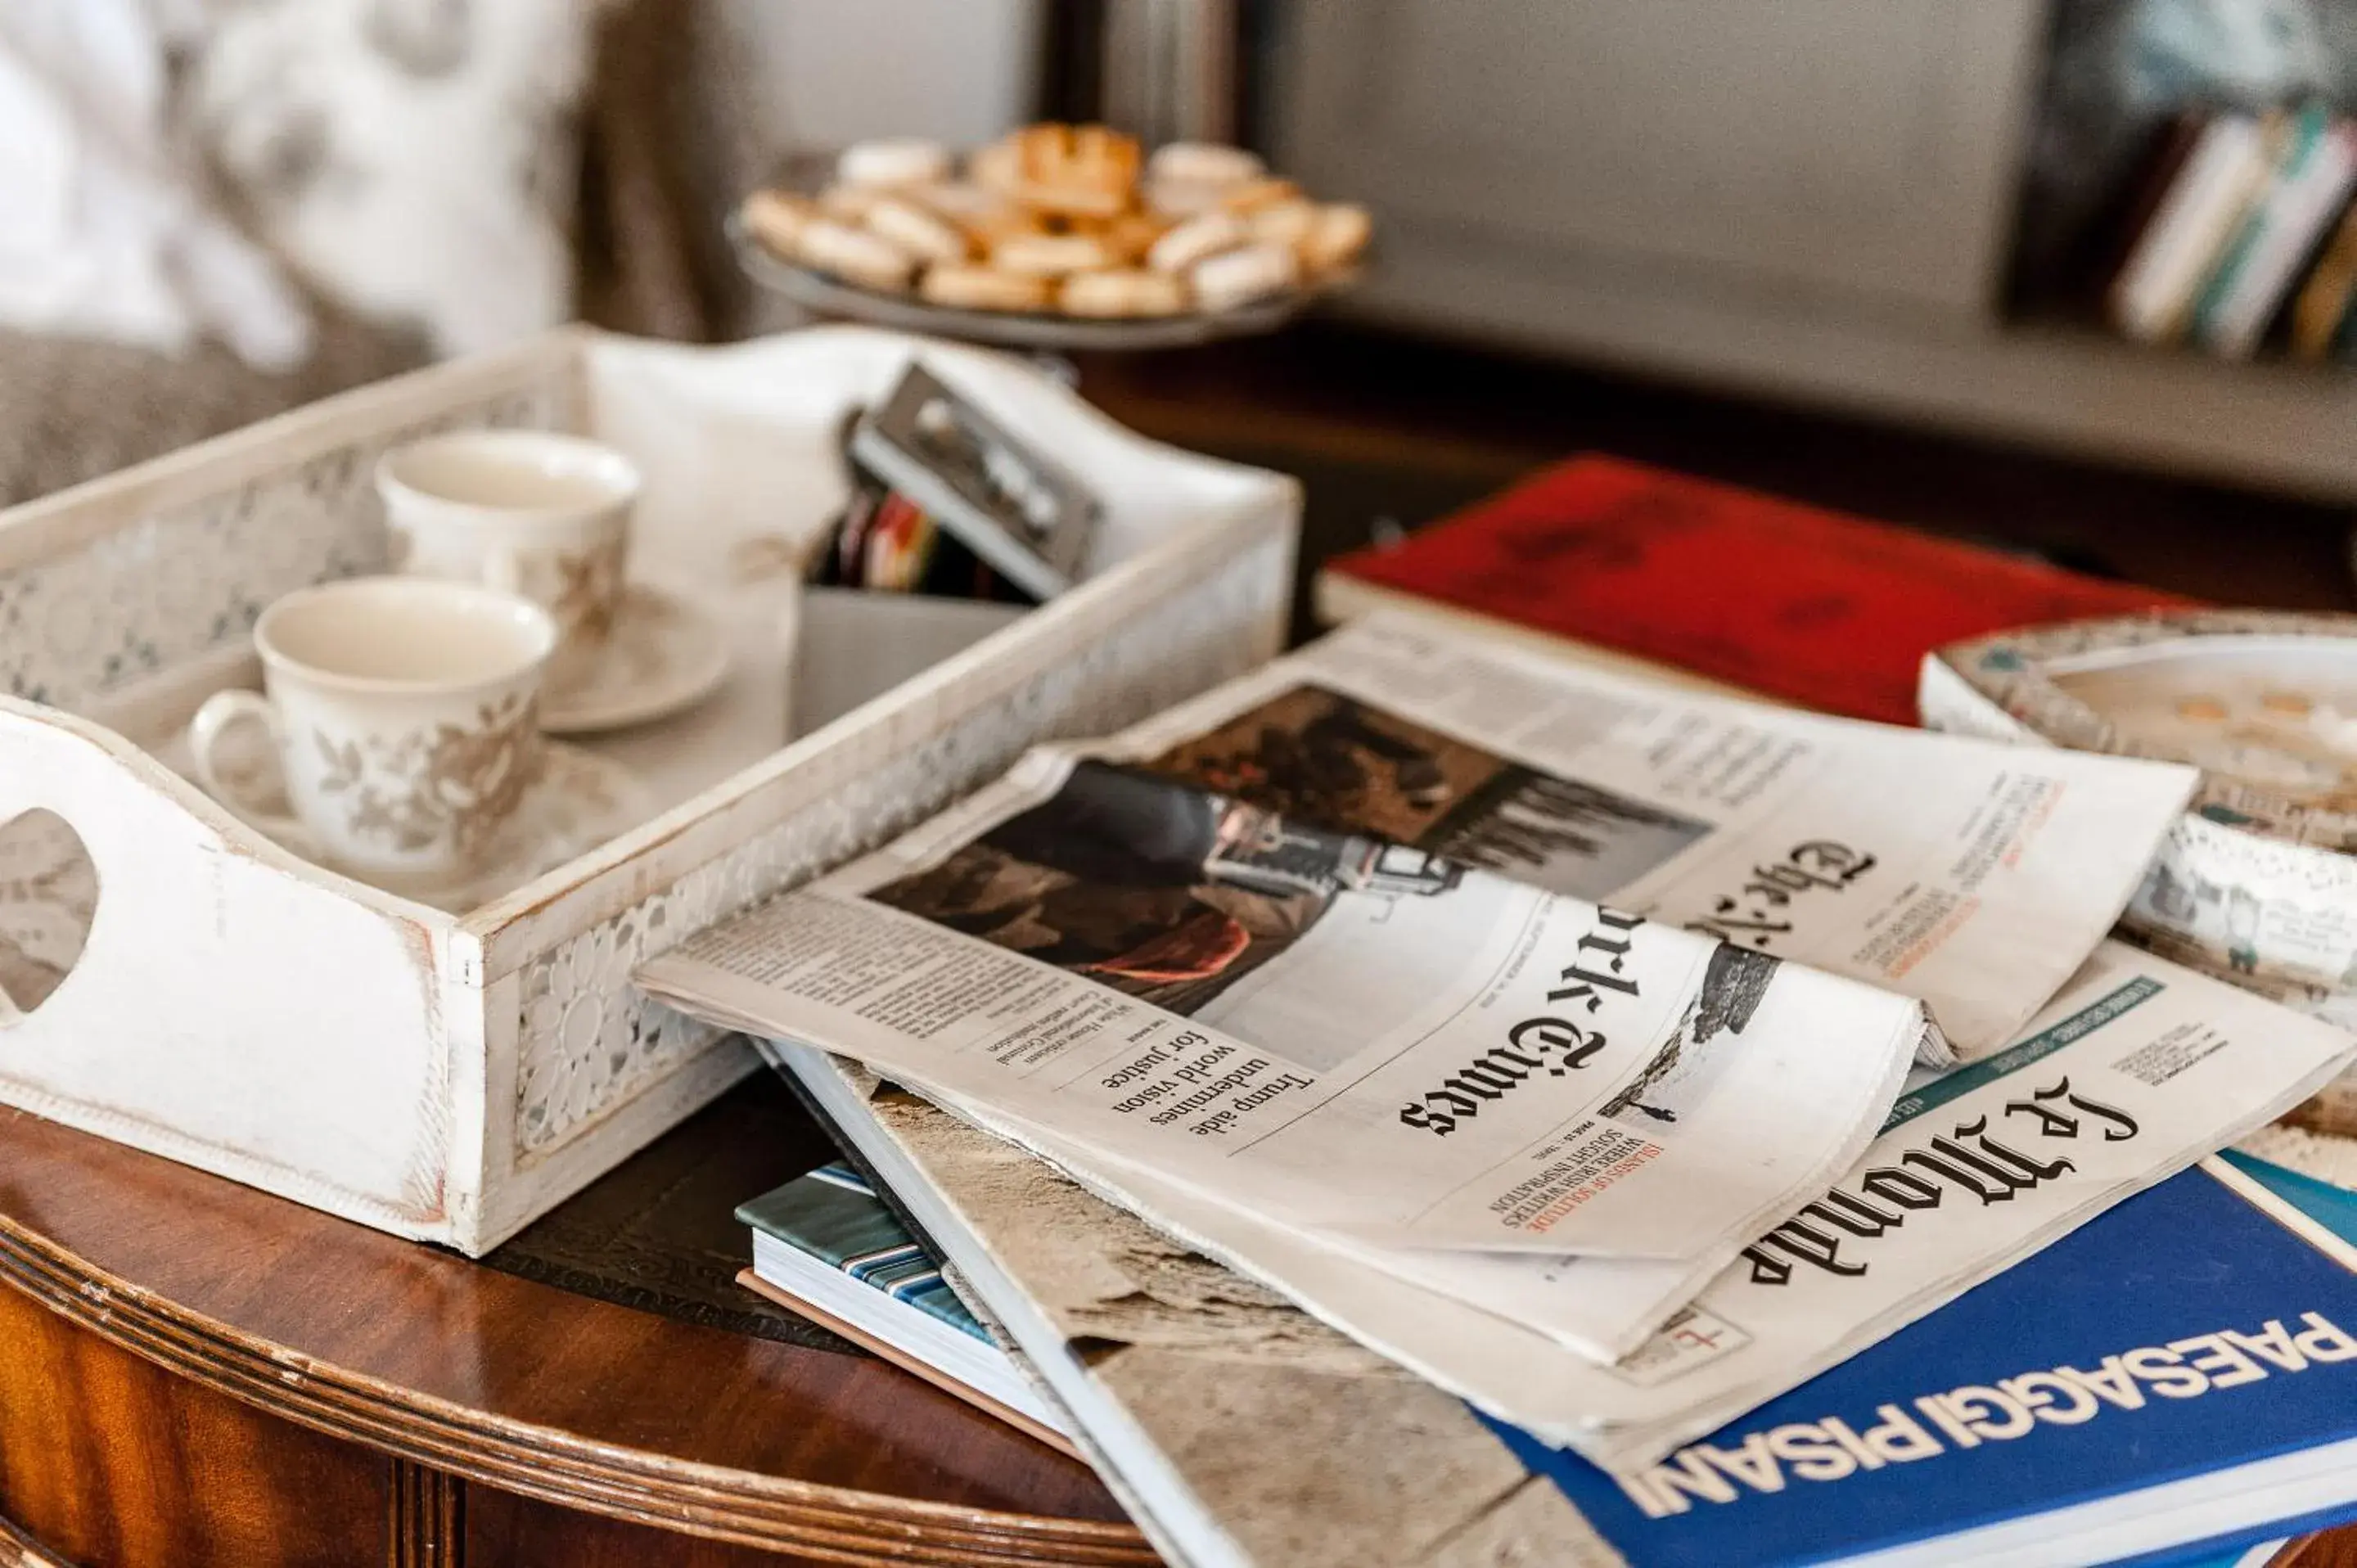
x=193, y=1373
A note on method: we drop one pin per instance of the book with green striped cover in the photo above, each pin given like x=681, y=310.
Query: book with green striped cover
x=829, y=1248
x=834, y=1215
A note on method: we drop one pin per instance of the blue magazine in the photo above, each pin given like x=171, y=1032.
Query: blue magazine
x=2175, y=1379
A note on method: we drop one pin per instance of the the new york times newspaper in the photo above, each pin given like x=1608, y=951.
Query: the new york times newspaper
x=1355, y=1037
x=1242, y=947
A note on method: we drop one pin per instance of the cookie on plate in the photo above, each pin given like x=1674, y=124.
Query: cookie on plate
x=1086, y=171
x=962, y=201
x=855, y=255
x=965, y=286
x=1242, y=275
x=776, y=219
x=894, y=160
x=851, y=203
x=1253, y=194
x=1123, y=292
x=1197, y=238
x=1283, y=222
x=1203, y=164
x=1336, y=238
x=1048, y=256
x=1133, y=235
x=923, y=234
x=1183, y=179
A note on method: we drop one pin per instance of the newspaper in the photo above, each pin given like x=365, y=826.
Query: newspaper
x=1367, y=963
x=2139, y=1068
x=1350, y=1037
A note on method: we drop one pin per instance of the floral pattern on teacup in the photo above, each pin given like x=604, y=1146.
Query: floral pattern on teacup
x=588, y=587
x=581, y=588
x=450, y=782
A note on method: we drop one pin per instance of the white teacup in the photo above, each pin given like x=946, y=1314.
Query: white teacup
x=527, y=511
x=405, y=713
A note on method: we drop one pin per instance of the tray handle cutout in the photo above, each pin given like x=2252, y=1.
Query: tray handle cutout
x=48, y=897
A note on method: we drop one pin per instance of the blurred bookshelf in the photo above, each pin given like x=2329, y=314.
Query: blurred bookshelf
x=1831, y=204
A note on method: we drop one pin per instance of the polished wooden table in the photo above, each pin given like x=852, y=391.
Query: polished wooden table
x=194, y=1373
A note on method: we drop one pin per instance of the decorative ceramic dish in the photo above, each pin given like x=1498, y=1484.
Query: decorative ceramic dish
x=2258, y=882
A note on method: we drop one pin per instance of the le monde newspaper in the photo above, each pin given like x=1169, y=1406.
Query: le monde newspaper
x=1569, y=1040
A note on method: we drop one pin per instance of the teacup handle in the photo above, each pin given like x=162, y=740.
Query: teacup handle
x=221, y=710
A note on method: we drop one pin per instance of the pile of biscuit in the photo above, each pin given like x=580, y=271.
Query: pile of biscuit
x=1071, y=219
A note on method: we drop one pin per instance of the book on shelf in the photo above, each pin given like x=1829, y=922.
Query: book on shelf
x=2321, y=315
x=2237, y=233
x=825, y=1246
x=2260, y=266
x=2177, y=249
x=1701, y=584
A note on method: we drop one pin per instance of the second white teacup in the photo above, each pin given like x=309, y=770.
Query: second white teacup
x=406, y=722
x=528, y=511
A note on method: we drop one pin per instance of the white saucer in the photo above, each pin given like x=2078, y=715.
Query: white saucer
x=664, y=654
x=581, y=800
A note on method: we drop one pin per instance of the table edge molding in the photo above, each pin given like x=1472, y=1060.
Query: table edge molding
x=19, y=1549
x=544, y=1462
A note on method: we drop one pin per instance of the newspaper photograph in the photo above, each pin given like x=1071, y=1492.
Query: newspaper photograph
x=2138, y=1069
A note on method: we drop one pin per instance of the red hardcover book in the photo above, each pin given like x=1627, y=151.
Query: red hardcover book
x=1634, y=565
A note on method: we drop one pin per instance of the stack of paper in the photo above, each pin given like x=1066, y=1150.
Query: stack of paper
x=1542, y=1032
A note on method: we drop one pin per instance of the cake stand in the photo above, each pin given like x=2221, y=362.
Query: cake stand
x=1045, y=338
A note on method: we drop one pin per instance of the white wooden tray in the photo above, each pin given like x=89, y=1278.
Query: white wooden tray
x=450, y=1076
